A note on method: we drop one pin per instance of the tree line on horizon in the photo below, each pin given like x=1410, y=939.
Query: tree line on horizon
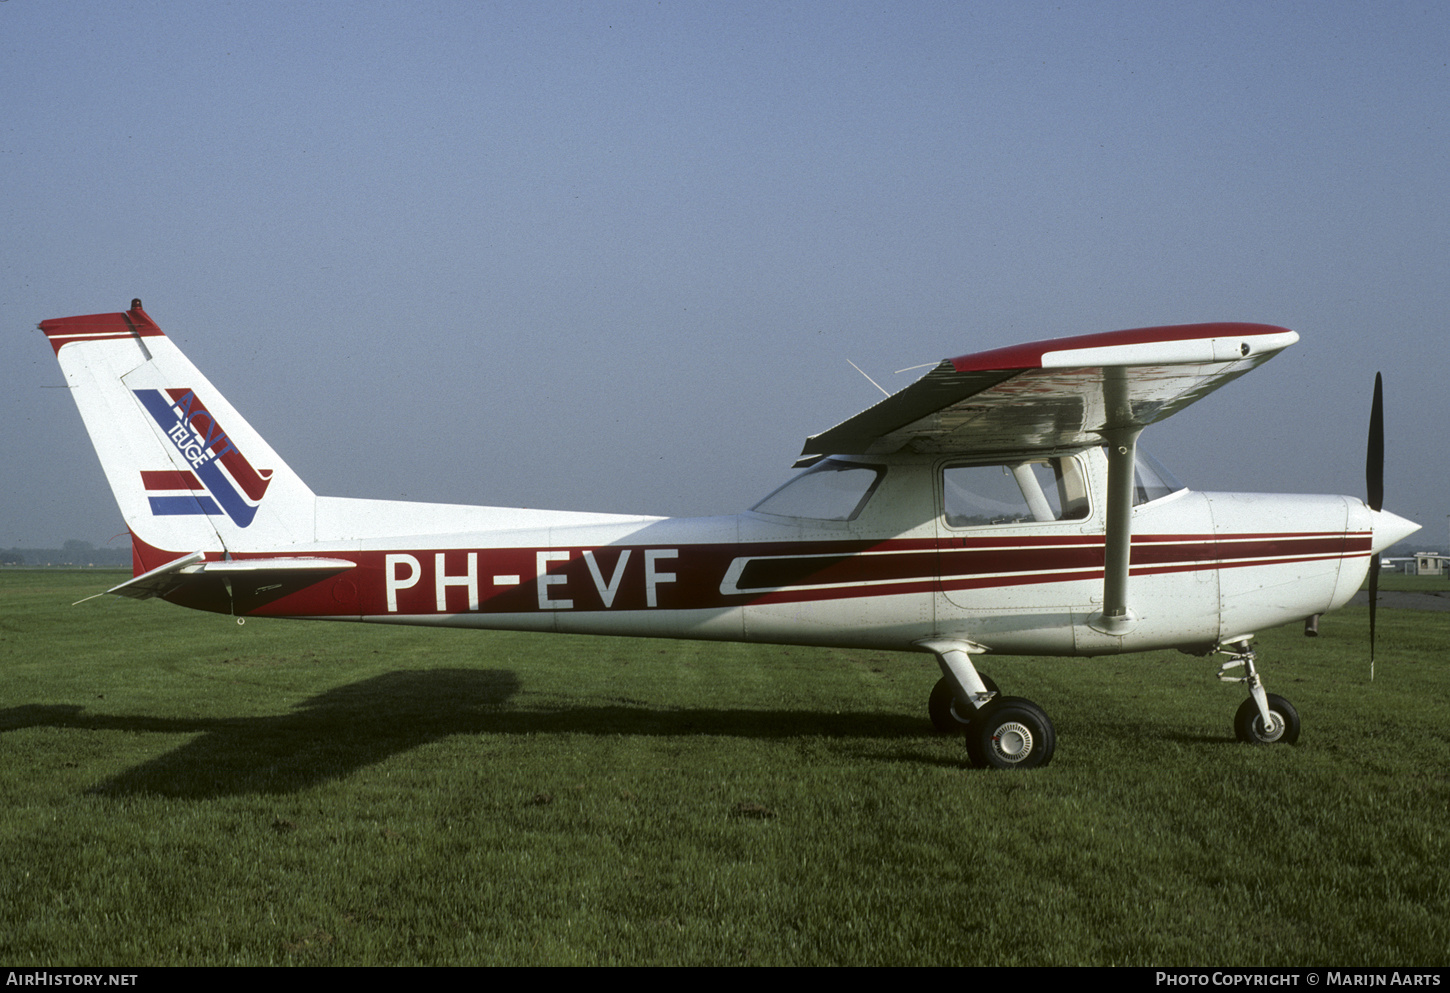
x=74, y=553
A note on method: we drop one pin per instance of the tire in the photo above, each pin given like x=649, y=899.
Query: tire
x=1011, y=733
x=1249, y=725
x=941, y=706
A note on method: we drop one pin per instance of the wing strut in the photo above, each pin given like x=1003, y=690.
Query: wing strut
x=1121, y=435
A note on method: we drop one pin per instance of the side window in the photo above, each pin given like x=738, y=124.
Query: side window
x=1038, y=491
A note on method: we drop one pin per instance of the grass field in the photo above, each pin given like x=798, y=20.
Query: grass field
x=1412, y=584
x=178, y=789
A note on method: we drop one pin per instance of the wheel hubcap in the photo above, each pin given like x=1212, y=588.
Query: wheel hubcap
x=1012, y=741
x=1273, y=731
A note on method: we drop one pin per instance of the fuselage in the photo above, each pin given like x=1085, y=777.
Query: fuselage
x=889, y=570
x=985, y=513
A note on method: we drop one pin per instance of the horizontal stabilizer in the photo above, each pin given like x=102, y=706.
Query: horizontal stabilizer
x=192, y=568
x=158, y=581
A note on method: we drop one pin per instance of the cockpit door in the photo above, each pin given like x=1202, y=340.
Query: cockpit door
x=1019, y=544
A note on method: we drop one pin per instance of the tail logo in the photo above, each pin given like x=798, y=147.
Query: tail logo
x=220, y=480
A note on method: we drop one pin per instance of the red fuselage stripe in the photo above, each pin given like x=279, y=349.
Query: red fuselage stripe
x=423, y=582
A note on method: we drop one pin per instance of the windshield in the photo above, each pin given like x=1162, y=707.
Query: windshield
x=827, y=491
x=1151, y=480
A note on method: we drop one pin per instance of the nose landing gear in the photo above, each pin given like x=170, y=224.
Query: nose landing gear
x=1264, y=718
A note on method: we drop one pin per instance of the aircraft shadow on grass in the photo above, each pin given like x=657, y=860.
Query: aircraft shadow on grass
x=331, y=735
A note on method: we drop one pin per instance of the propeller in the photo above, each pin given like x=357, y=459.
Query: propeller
x=1374, y=484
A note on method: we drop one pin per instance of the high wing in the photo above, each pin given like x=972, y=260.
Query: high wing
x=1100, y=389
x=1057, y=394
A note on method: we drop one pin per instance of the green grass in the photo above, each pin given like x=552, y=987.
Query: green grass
x=178, y=789
x=1400, y=582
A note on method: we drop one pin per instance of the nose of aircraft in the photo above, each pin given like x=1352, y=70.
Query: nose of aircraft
x=1389, y=528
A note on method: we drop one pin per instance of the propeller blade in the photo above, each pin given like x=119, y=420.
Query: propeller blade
x=1374, y=484
x=1374, y=459
x=1374, y=595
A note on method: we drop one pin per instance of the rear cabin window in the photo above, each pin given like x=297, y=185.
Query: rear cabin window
x=1038, y=491
x=827, y=491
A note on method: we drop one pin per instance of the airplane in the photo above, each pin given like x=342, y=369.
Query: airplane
x=997, y=506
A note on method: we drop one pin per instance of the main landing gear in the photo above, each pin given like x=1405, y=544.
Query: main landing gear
x=1264, y=718
x=1008, y=732
x=942, y=705
x=1000, y=732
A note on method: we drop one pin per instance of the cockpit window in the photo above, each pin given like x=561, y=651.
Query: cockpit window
x=1035, y=491
x=827, y=491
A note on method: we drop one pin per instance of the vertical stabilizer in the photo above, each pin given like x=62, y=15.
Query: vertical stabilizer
x=188, y=472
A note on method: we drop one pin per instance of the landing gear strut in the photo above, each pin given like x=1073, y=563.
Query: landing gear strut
x=946, y=716
x=1000, y=732
x=1264, y=718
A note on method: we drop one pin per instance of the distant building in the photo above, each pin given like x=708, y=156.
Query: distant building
x=1431, y=563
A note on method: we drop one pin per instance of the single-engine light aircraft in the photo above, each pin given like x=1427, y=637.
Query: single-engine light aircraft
x=999, y=505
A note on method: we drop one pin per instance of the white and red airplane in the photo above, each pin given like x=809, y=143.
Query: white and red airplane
x=999, y=505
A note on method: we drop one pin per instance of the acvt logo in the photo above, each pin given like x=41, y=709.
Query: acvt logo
x=220, y=480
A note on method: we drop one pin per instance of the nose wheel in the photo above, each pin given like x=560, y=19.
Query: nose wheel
x=1283, y=728
x=1264, y=718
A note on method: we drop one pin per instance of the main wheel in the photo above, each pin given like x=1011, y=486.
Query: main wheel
x=942, y=706
x=1011, y=733
x=1249, y=723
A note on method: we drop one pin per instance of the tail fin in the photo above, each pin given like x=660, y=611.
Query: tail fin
x=189, y=473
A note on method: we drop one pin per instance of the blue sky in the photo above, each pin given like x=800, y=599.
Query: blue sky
x=616, y=257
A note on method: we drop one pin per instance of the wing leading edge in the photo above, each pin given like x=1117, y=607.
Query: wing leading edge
x=1056, y=394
